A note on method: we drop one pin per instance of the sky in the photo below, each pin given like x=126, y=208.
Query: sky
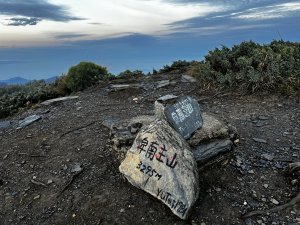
x=44, y=38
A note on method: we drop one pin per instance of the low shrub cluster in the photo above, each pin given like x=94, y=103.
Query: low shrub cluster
x=15, y=97
x=180, y=66
x=272, y=68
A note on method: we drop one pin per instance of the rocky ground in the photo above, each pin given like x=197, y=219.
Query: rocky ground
x=62, y=170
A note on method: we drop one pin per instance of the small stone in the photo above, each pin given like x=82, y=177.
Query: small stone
x=251, y=171
x=76, y=168
x=278, y=165
x=259, y=221
x=248, y=221
x=263, y=162
x=218, y=189
x=5, y=157
x=264, y=199
x=36, y=197
x=263, y=118
x=294, y=182
x=122, y=210
x=49, y=181
x=134, y=130
x=274, y=201
x=268, y=157
x=266, y=185
x=239, y=161
x=259, y=140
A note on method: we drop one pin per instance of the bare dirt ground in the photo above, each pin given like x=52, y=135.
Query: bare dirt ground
x=41, y=181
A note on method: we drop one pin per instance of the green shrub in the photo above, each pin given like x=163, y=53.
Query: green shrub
x=83, y=75
x=180, y=66
x=128, y=74
x=274, y=67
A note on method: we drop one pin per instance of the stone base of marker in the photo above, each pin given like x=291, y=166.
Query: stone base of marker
x=122, y=133
x=209, y=151
x=161, y=163
x=212, y=129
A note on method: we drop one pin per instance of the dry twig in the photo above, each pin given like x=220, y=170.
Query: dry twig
x=293, y=202
x=70, y=182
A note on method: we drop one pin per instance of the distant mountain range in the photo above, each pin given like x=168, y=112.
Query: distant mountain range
x=21, y=81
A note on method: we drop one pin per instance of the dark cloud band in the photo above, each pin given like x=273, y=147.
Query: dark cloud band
x=33, y=11
x=22, y=21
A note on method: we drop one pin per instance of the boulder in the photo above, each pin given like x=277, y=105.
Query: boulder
x=212, y=129
x=161, y=163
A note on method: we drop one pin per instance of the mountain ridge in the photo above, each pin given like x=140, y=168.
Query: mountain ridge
x=20, y=81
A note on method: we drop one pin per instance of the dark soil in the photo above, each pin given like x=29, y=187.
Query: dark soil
x=37, y=185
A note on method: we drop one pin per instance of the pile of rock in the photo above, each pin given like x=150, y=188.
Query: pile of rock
x=159, y=154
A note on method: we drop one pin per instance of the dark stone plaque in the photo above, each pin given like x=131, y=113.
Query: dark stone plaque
x=184, y=116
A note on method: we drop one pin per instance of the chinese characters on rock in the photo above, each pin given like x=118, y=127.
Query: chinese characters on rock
x=155, y=150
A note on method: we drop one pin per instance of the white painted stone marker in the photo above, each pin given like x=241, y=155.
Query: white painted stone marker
x=161, y=163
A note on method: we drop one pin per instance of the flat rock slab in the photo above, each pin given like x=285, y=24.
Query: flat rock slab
x=28, y=120
x=161, y=163
x=54, y=100
x=188, y=79
x=163, y=83
x=121, y=87
x=212, y=129
x=184, y=116
x=205, y=152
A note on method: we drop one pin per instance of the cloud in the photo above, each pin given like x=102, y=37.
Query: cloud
x=104, y=19
x=70, y=36
x=109, y=19
x=34, y=10
x=22, y=21
x=269, y=12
